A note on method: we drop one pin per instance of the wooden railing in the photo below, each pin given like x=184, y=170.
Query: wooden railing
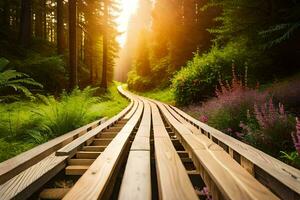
x=281, y=178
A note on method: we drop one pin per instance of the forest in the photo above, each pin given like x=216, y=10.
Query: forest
x=232, y=64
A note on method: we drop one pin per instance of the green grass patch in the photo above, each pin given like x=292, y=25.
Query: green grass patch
x=163, y=95
x=25, y=124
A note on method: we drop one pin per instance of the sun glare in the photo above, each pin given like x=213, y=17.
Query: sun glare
x=128, y=8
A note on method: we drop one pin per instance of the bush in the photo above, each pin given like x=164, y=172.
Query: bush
x=49, y=71
x=49, y=117
x=159, y=77
x=294, y=157
x=58, y=117
x=198, y=79
x=269, y=128
x=138, y=83
x=231, y=106
x=160, y=74
x=11, y=79
x=16, y=118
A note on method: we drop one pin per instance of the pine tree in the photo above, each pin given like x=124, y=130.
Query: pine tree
x=73, y=44
x=26, y=22
x=60, y=27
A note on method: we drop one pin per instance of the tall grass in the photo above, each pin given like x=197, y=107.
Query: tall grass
x=67, y=113
x=26, y=124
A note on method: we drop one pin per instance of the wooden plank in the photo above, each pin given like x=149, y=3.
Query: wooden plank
x=93, y=148
x=114, y=129
x=15, y=165
x=136, y=183
x=85, y=161
x=93, y=184
x=142, y=137
x=233, y=181
x=71, y=147
x=172, y=177
x=87, y=154
x=216, y=163
x=140, y=143
x=30, y=180
x=76, y=169
x=280, y=171
x=101, y=142
x=107, y=135
x=173, y=180
x=54, y=193
x=131, y=112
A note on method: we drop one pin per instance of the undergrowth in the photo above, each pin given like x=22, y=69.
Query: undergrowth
x=27, y=124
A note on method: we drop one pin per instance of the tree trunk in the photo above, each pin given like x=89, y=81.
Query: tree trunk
x=45, y=36
x=105, y=47
x=60, y=27
x=5, y=14
x=72, y=44
x=25, y=23
x=39, y=21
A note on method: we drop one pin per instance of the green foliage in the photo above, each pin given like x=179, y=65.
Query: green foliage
x=158, y=77
x=112, y=100
x=15, y=80
x=198, y=79
x=138, y=83
x=288, y=25
x=163, y=95
x=16, y=118
x=160, y=74
x=11, y=148
x=67, y=114
x=49, y=71
x=272, y=137
x=28, y=123
x=292, y=158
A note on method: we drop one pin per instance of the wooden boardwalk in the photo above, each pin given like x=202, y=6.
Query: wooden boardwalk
x=150, y=150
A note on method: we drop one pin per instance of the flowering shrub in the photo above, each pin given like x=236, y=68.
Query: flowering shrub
x=269, y=128
x=294, y=157
x=203, y=118
x=196, y=81
x=296, y=137
x=230, y=107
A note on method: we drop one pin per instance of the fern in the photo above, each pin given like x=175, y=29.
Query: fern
x=16, y=80
x=286, y=31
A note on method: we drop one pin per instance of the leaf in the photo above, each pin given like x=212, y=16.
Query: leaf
x=3, y=63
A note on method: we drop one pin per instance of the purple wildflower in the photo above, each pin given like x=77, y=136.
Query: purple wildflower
x=296, y=136
x=204, y=118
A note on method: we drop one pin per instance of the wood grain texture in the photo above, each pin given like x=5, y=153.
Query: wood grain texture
x=173, y=180
x=29, y=180
x=136, y=182
x=93, y=183
x=228, y=176
x=282, y=172
x=76, y=169
x=15, y=165
x=172, y=177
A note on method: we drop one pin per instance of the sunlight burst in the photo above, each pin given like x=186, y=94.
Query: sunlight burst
x=128, y=8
